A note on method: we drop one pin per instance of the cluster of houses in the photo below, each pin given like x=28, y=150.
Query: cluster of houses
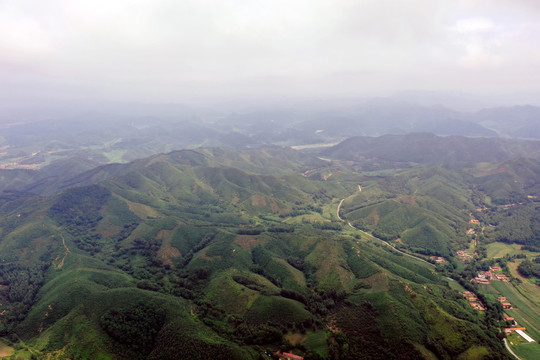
x=477, y=305
x=463, y=256
x=439, y=259
x=484, y=277
x=517, y=329
x=473, y=301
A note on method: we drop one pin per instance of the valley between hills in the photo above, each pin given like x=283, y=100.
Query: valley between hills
x=332, y=253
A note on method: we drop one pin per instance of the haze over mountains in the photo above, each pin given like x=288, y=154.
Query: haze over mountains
x=255, y=180
x=431, y=149
x=201, y=232
x=119, y=133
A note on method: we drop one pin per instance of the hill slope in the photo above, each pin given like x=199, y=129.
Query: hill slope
x=178, y=255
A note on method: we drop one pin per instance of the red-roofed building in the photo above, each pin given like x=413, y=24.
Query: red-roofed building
x=481, y=281
x=508, y=330
x=288, y=355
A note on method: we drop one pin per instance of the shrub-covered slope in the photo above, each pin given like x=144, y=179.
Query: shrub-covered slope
x=181, y=256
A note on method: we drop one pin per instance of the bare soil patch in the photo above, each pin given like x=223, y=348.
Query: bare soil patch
x=378, y=282
x=295, y=339
x=246, y=242
x=167, y=253
x=141, y=210
x=258, y=200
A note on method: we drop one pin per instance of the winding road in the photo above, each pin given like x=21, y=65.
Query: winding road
x=406, y=254
x=381, y=240
x=510, y=350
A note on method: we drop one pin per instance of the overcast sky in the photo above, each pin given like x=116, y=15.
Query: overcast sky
x=177, y=50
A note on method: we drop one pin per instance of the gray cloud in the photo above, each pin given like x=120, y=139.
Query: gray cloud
x=178, y=50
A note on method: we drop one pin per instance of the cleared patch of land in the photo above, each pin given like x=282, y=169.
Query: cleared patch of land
x=141, y=210
x=5, y=349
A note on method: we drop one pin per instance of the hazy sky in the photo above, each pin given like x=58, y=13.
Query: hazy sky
x=176, y=50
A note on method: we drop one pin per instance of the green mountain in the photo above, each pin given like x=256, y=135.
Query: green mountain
x=425, y=209
x=226, y=254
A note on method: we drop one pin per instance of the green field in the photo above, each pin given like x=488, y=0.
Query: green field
x=316, y=341
x=456, y=286
x=499, y=250
x=524, y=297
x=527, y=314
x=525, y=309
x=522, y=348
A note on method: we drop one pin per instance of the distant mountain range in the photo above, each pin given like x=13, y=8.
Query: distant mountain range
x=517, y=121
x=429, y=148
x=98, y=138
x=208, y=237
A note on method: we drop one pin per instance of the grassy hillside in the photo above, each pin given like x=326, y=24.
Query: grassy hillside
x=207, y=253
x=425, y=209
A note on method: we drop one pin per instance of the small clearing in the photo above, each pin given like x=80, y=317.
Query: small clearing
x=5, y=349
x=141, y=210
x=296, y=338
x=246, y=242
x=258, y=200
x=378, y=282
x=167, y=253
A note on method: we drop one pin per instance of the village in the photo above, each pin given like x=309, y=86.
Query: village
x=476, y=304
x=484, y=277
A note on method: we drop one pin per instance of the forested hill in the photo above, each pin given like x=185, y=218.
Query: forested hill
x=429, y=148
x=64, y=174
x=216, y=253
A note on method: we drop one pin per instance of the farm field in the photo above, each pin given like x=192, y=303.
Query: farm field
x=317, y=341
x=527, y=313
x=522, y=348
x=527, y=283
x=499, y=250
